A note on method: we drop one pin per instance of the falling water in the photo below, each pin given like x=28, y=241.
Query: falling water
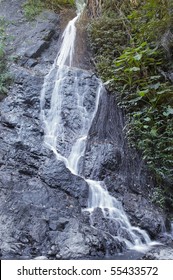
x=71, y=150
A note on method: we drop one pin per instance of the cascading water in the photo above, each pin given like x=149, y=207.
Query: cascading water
x=68, y=144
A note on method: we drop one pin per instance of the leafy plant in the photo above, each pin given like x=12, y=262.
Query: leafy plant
x=133, y=55
x=4, y=74
x=34, y=7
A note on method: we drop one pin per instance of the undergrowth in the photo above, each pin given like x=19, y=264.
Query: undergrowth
x=34, y=7
x=132, y=43
x=4, y=74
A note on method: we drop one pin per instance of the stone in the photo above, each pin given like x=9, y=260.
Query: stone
x=56, y=175
x=159, y=253
x=61, y=223
x=31, y=62
x=36, y=50
x=146, y=216
x=58, y=257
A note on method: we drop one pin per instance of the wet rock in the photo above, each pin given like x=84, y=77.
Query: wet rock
x=34, y=211
x=146, y=216
x=41, y=199
x=72, y=113
x=108, y=158
x=159, y=253
x=55, y=174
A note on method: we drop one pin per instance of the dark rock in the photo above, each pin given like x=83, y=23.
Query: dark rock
x=61, y=224
x=33, y=213
x=36, y=50
x=41, y=198
x=31, y=62
x=71, y=242
x=55, y=174
x=159, y=253
x=145, y=216
x=109, y=158
x=101, y=242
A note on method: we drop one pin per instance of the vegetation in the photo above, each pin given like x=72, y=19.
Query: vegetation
x=34, y=7
x=4, y=74
x=132, y=43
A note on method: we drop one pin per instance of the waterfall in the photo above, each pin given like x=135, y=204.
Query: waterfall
x=69, y=146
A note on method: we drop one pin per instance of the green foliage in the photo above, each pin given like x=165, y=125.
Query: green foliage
x=150, y=20
x=133, y=56
x=34, y=7
x=108, y=39
x=159, y=197
x=4, y=74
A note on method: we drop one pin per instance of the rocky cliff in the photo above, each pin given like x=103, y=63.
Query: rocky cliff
x=42, y=202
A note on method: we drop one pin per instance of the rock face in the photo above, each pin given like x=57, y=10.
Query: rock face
x=56, y=175
x=159, y=253
x=41, y=202
x=109, y=158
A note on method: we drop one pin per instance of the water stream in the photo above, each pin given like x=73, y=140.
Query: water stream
x=70, y=147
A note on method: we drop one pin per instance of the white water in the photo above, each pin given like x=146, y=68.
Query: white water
x=54, y=131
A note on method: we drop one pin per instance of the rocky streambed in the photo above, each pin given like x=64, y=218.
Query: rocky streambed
x=41, y=201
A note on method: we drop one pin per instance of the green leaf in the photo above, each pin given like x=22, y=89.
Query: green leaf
x=147, y=119
x=143, y=92
x=135, y=99
x=143, y=44
x=155, y=77
x=153, y=132
x=138, y=56
x=118, y=69
x=134, y=69
x=168, y=112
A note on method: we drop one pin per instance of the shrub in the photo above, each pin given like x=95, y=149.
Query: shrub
x=133, y=55
x=33, y=7
x=4, y=74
